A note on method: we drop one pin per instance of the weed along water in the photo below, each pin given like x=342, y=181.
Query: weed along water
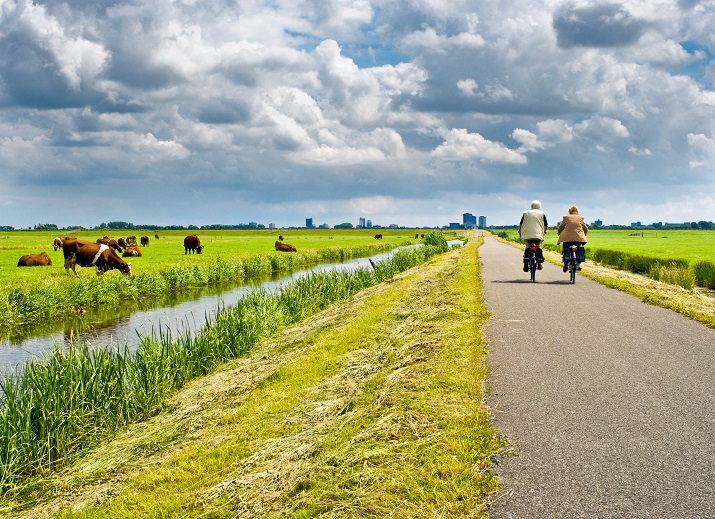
x=186, y=315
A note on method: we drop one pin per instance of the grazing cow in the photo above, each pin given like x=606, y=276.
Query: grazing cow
x=285, y=247
x=156, y=236
x=122, y=243
x=280, y=237
x=193, y=244
x=145, y=241
x=35, y=260
x=97, y=255
x=131, y=240
x=132, y=252
x=111, y=242
x=417, y=235
x=57, y=244
x=378, y=236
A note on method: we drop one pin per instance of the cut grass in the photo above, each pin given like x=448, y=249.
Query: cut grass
x=371, y=408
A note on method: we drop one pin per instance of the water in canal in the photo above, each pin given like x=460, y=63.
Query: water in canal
x=188, y=314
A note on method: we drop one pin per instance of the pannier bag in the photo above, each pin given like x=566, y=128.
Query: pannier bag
x=581, y=253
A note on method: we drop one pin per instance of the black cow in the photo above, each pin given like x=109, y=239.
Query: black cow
x=193, y=244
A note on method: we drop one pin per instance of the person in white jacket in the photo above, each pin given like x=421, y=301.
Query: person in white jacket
x=532, y=229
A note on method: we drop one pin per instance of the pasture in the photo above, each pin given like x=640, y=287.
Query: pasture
x=168, y=251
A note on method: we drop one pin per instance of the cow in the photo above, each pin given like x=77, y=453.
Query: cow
x=97, y=255
x=131, y=240
x=57, y=244
x=111, y=242
x=193, y=244
x=280, y=237
x=156, y=236
x=417, y=235
x=35, y=260
x=132, y=252
x=378, y=236
x=145, y=241
x=285, y=247
x=122, y=243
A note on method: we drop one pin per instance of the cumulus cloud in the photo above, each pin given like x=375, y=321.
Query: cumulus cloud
x=459, y=144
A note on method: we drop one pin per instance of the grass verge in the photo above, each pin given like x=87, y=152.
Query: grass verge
x=371, y=408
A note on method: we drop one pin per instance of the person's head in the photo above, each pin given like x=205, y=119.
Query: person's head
x=573, y=210
x=536, y=204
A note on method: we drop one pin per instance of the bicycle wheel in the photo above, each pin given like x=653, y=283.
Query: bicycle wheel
x=532, y=267
x=572, y=268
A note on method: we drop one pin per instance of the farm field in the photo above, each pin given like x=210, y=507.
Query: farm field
x=168, y=251
x=693, y=246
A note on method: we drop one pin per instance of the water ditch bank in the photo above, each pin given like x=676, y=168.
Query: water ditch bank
x=187, y=312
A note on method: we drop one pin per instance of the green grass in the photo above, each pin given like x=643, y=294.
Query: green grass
x=371, y=408
x=33, y=294
x=55, y=408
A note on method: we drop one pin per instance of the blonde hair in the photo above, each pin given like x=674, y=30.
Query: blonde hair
x=573, y=210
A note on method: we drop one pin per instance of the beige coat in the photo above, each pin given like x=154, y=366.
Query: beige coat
x=572, y=229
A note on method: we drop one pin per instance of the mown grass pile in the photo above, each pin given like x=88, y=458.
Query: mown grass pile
x=54, y=408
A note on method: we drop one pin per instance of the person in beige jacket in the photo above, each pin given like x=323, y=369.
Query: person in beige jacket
x=572, y=230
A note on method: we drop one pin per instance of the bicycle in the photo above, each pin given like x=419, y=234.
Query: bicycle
x=573, y=255
x=531, y=260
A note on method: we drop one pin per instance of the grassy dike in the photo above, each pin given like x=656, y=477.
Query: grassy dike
x=371, y=408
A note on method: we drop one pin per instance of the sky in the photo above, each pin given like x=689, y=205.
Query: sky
x=405, y=112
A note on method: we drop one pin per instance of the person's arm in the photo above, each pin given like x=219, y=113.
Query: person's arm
x=546, y=225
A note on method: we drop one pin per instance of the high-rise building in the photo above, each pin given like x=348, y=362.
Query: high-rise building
x=482, y=222
x=309, y=223
x=361, y=223
x=369, y=224
x=469, y=220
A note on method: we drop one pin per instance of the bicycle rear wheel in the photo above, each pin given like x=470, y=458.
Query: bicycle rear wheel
x=572, y=268
x=532, y=267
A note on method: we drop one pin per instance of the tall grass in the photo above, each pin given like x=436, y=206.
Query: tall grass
x=52, y=409
x=705, y=274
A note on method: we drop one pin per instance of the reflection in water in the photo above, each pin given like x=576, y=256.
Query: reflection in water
x=177, y=313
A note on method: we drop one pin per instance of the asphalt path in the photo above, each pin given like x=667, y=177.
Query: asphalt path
x=608, y=403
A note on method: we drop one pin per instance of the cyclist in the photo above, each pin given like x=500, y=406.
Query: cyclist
x=532, y=228
x=572, y=230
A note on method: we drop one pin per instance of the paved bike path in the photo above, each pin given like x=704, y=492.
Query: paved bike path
x=609, y=402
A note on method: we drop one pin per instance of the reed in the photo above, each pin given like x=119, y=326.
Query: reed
x=53, y=409
x=705, y=274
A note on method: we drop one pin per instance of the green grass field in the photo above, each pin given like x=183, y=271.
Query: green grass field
x=689, y=245
x=168, y=250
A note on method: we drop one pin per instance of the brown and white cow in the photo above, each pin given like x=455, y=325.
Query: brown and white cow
x=144, y=241
x=285, y=247
x=97, y=255
x=106, y=240
x=193, y=244
x=35, y=260
x=131, y=240
x=57, y=243
x=132, y=252
x=280, y=237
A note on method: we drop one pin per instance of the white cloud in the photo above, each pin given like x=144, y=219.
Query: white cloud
x=459, y=144
x=702, y=149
